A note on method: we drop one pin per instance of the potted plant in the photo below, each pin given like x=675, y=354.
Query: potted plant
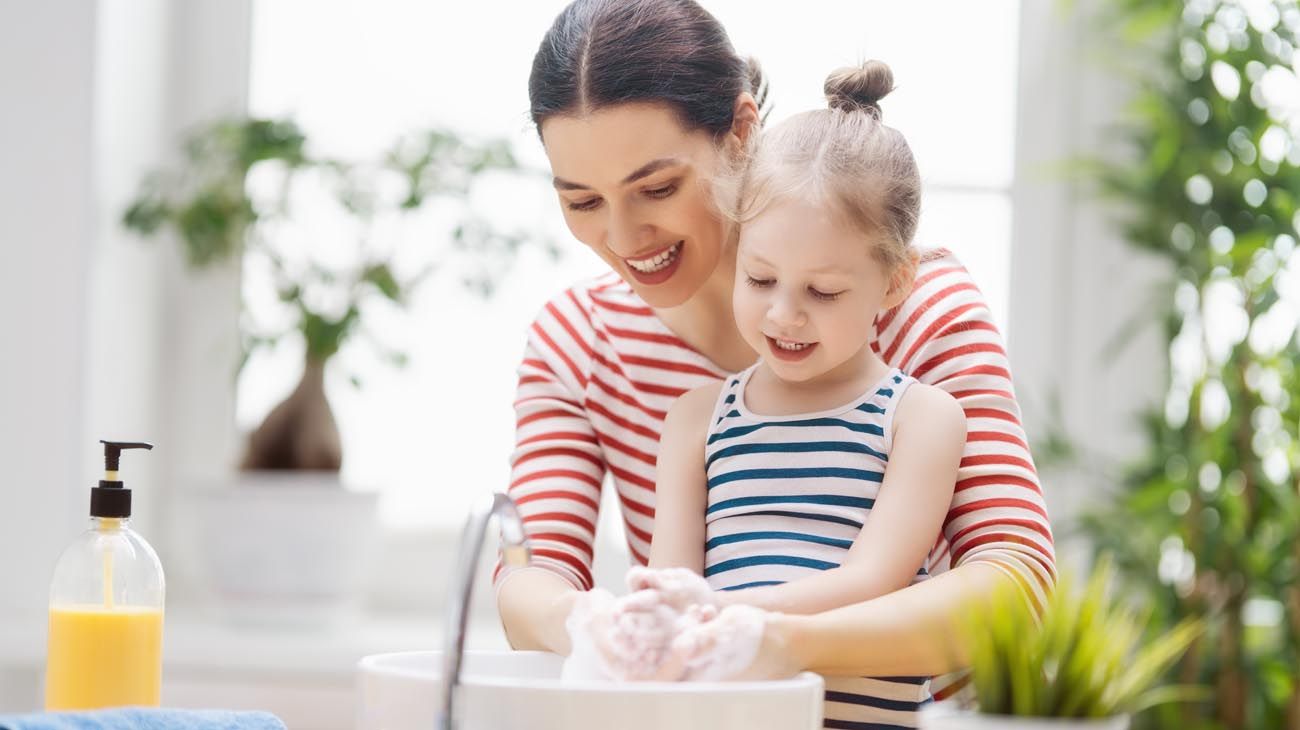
x=1081, y=664
x=287, y=539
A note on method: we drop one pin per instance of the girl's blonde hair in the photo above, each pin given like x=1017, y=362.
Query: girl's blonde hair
x=843, y=156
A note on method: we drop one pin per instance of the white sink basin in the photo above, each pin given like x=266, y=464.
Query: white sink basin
x=505, y=690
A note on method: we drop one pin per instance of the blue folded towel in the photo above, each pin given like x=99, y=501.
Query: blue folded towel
x=137, y=718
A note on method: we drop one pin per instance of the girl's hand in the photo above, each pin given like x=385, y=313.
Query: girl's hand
x=627, y=638
x=679, y=588
x=729, y=644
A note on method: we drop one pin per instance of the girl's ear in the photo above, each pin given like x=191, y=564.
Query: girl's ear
x=900, y=283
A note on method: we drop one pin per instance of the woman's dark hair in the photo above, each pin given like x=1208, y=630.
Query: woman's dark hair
x=600, y=53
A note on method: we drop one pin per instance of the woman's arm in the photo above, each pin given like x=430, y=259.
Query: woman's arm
x=556, y=472
x=534, y=603
x=929, y=430
x=912, y=632
x=943, y=334
x=680, y=483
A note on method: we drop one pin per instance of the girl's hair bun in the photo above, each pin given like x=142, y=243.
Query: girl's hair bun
x=859, y=88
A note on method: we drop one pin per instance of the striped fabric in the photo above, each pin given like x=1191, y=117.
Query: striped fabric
x=787, y=497
x=601, y=370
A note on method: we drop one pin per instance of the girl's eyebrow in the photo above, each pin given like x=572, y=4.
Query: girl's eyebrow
x=645, y=170
x=831, y=269
x=828, y=269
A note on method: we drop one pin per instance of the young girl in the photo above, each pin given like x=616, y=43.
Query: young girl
x=823, y=475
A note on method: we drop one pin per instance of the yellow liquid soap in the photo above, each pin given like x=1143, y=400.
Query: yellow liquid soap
x=103, y=657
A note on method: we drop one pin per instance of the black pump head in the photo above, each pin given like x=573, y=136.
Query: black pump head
x=113, y=451
x=111, y=498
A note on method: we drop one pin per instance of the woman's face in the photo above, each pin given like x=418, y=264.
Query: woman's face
x=635, y=187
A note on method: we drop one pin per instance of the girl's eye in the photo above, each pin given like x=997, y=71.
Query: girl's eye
x=589, y=204
x=663, y=192
x=758, y=282
x=824, y=296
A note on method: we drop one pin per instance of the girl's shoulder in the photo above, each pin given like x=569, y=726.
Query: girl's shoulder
x=699, y=402
x=930, y=405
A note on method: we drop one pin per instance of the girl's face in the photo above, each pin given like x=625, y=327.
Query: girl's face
x=634, y=186
x=807, y=292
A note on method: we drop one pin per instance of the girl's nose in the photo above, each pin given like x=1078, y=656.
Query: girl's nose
x=785, y=312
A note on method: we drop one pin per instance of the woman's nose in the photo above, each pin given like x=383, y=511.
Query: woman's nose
x=626, y=236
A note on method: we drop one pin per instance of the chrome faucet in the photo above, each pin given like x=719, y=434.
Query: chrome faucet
x=514, y=553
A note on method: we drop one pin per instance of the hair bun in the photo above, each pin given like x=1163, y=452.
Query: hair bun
x=859, y=88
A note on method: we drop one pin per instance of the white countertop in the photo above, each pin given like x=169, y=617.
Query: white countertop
x=194, y=643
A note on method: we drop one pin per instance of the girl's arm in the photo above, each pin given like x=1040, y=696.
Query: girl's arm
x=929, y=431
x=680, y=484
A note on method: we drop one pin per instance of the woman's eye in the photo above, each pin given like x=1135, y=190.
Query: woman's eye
x=824, y=296
x=589, y=204
x=758, y=282
x=663, y=192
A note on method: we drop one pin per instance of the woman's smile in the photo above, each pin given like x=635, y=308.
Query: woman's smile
x=658, y=266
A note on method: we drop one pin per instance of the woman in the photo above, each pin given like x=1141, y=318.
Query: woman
x=639, y=103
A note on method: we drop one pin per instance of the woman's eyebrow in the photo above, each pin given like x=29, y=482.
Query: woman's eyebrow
x=645, y=170
x=651, y=168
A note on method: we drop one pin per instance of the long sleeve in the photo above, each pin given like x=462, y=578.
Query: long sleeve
x=943, y=334
x=557, y=465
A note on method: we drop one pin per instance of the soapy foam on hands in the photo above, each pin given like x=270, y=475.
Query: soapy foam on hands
x=668, y=629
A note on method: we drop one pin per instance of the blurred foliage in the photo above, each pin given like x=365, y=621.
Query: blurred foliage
x=1210, y=183
x=1086, y=656
x=209, y=205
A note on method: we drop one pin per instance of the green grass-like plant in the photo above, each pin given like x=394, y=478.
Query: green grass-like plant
x=1085, y=656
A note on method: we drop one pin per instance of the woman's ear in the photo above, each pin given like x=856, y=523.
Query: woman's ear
x=902, y=280
x=744, y=120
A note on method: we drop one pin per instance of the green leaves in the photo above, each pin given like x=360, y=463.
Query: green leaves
x=1204, y=527
x=326, y=335
x=1086, y=657
x=209, y=208
x=440, y=163
x=381, y=276
x=205, y=202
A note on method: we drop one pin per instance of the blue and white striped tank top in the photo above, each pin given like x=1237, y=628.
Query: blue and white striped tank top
x=787, y=496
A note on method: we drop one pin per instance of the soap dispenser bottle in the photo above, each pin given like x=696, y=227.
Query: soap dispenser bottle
x=106, y=607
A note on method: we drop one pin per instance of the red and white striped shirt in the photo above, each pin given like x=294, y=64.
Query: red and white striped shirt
x=601, y=370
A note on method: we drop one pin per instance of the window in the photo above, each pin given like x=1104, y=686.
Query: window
x=436, y=434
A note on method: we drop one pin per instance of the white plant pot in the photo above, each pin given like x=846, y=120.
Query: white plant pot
x=286, y=548
x=945, y=716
